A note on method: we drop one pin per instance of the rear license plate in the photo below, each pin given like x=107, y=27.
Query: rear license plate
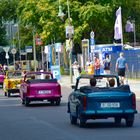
x=110, y=105
x=44, y=92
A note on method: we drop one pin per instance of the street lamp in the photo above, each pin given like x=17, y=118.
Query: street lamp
x=69, y=34
x=34, y=48
x=18, y=31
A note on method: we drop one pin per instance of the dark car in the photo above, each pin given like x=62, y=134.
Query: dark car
x=39, y=86
x=101, y=101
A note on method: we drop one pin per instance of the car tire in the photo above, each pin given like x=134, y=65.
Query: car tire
x=57, y=102
x=27, y=102
x=129, y=121
x=117, y=120
x=82, y=122
x=52, y=102
x=9, y=94
x=73, y=119
x=5, y=93
x=23, y=101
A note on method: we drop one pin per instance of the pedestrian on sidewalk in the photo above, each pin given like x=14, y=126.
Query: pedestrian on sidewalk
x=121, y=67
x=75, y=67
x=97, y=65
x=107, y=64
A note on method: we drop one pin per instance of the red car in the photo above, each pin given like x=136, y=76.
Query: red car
x=39, y=86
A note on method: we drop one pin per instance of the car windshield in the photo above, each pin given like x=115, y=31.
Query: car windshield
x=38, y=76
x=1, y=73
x=103, y=82
x=14, y=75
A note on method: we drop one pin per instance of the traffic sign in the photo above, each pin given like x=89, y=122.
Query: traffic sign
x=29, y=49
x=56, y=72
x=7, y=56
x=69, y=31
x=92, y=35
x=14, y=51
x=58, y=47
x=85, y=43
x=6, y=49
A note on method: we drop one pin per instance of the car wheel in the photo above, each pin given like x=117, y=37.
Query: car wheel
x=129, y=121
x=57, y=102
x=52, y=102
x=8, y=94
x=117, y=120
x=23, y=101
x=27, y=102
x=73, y=119
x=5, y=93
x=82, y=122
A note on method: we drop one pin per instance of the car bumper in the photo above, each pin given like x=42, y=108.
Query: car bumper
x=33, y=98
x=105, y=113
x=13, y=90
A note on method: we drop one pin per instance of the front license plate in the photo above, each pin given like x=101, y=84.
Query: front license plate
x=44, y=92
x=110, y=105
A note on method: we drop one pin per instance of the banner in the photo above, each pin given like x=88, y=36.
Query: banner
x=129, y=26
x=118, y=25
x=58, y=47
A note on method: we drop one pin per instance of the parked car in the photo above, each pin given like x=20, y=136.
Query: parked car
x=102, y=101
x=12, y=82
x=2, y=76
x=39, y=86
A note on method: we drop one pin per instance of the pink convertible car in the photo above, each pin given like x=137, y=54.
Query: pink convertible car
x=39, y=86
x=2, y=75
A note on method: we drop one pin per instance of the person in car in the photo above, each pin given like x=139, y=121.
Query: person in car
x=93, y=82
x=111, y=82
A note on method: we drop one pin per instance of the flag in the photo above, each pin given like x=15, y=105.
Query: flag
x=129, y=27
x=118, y=25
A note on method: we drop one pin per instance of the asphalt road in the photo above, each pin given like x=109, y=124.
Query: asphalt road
x=41, y=121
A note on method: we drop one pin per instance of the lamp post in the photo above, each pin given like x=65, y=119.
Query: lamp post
x=19, y=42
x=18, y=38
x=34, y=48
x=70, y=38
x=134, y=30
x=69, y=34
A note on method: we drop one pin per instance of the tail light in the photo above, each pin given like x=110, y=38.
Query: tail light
x=59, y=89
x=28, y=90
x=84, y=102
x=133, y=101
x=9, y=84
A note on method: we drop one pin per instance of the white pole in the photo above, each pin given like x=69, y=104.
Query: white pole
x=121, y=26
x=134, y=33
x=34, y=48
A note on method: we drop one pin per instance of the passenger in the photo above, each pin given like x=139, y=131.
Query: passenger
x=33, y=77
x=111, y=82
x=93, y=82
x=47, y=77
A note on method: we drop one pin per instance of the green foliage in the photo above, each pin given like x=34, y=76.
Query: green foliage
x=87, y=15
x=83, y=72
x=63, y=71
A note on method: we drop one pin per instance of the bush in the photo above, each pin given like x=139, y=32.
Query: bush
x=64, y=71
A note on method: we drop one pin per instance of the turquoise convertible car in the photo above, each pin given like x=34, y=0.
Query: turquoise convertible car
x=101, y=101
